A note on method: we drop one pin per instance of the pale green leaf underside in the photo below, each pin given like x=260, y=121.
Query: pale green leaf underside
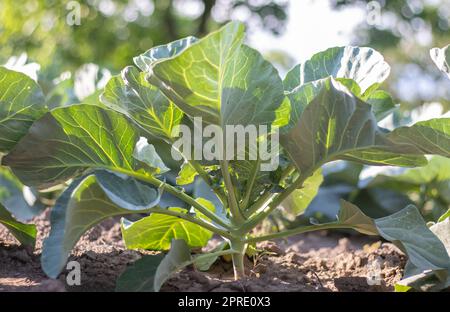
x=21, y=103
x=145, y=60
x=83, y=205
x=204, y=262
x=332, y=123
x=424, y=281
x=382, y=104
x=13, y=197
x=156, y=232
x=148, y=158
x=127, y=192
x=363, y=65
x=71, y=139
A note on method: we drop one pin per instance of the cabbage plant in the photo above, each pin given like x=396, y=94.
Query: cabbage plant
x=115, y=153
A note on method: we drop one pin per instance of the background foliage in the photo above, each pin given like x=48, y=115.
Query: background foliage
x=407, y=29
x=113, y=31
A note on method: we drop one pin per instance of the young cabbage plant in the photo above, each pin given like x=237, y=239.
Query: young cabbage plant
x=326, y=109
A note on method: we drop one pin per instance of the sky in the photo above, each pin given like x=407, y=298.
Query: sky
x=312, y=27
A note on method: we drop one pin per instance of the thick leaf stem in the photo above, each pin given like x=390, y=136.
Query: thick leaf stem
x=263, y=200
x=276, y=201
x=287, y=172
x=250, y=184
x=303, y=229
x=259, y=203
x=184, y=216
x=178, y=193
x=205, y=176
x=238, y=258
x=236, y=214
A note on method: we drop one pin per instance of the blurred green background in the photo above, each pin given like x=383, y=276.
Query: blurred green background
x=111, y=32
x=406, y=32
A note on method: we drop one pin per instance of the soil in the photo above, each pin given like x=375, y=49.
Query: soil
x=317, y=262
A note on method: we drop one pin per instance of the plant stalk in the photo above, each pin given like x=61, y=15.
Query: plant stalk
x=236, y=214
x=265, y=198
x=184, y=216
x=276, y=201
x=238, y=258
x=300, y=230
x=176, y=192
x=250, y=184
x=205, y=176
x=259, y=203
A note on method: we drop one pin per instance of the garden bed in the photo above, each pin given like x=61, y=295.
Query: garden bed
x=321, y=261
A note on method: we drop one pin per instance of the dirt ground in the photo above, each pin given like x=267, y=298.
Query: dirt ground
x=311, y=262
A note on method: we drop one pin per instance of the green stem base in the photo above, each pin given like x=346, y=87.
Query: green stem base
x=238, y=258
